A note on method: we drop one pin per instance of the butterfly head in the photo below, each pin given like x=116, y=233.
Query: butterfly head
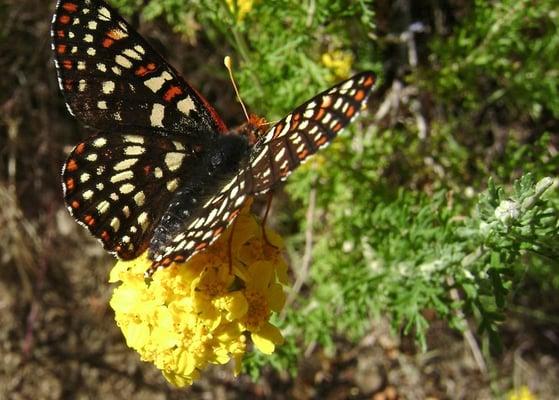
x=253, y=129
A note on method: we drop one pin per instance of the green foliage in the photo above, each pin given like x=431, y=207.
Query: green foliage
x=278, y=44
x=402, y=226
x=505, y=53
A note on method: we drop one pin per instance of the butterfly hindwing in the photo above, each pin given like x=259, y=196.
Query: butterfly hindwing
x=206, y=225
x=113, y=79
x=306, y=129
x=117, y=186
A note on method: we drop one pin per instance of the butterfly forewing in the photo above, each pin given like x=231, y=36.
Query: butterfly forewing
x=113, y=79
x=119, y=185
x=306, y=129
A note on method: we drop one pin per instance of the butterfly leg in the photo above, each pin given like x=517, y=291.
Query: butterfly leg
x=265, y=218
x=230, y=246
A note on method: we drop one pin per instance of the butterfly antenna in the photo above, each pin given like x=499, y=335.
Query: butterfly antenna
x=229, y=65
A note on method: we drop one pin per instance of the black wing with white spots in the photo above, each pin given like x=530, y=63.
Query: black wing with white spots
x=118, y=186
x=283, y=148
x=113, y=79
x=307, y=129
x=206, y=225
x=164, y=174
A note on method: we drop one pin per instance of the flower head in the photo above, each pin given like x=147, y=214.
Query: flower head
x=338, y=62
x=200, y=312
x=240, y=7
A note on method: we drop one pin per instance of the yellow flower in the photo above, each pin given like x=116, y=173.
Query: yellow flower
x=199, y=313
x=339, y=63
x=240, y=7
x=522, y=393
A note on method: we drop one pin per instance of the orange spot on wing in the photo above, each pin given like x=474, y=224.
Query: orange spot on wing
x=277, y=131
x=350, y=111
x=89, y=220
x=70, y=184
x=180, y=259
x=80, y=148
x=201, y=246
x=302, y=155
x=70, y=7
x=60, y=34
x=233, y=215
x=67, y=64
x=105, y=236
x=172, y=92
x=369, y=81
x=319, y=115
x=142, y=71
x=218, y=231
x=68, y=84
x=147, y=169
x=360, y=95
x=114, y=34
x=61, y=48
x=75, y=204
x=64, y=19
x=71, y=165
x=166, y=262
x=107, y=42
x=321, y=140
x=337, y=127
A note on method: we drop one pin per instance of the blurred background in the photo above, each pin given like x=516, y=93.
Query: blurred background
x=422, y=243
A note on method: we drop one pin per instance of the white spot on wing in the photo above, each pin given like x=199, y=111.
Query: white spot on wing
x=139, y=198
x=174, y=160
x=103, y=207
x=132, y=54
x=134, y=139
x=115, y=224
x=88, y=194
x=186, y=105
x=134, y=150
x=99, y=142
x=126, y=188
x=125, y=164
x=108, y=87
x=122, y=176
x=157, y=115
x=123, y=61
x=173, y=185
x=157, y=82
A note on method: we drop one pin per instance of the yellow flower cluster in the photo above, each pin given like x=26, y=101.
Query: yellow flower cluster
x=240, y=7
x=198, y=313
x=522, y=393
x=339, y=63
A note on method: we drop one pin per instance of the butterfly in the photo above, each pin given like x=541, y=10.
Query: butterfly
x=163, y=173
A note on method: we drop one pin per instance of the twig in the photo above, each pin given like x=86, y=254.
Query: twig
x=468, y=335
x=307, y=255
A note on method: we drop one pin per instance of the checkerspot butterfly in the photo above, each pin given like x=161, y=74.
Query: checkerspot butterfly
x=163, y=172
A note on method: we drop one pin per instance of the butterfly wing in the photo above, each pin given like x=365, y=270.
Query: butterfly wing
x=114, y=80
x=205, y=226
x=118, y=186
x=308, y=128
x=284, y=147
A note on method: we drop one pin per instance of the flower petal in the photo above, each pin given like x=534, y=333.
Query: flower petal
x=266, y=338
